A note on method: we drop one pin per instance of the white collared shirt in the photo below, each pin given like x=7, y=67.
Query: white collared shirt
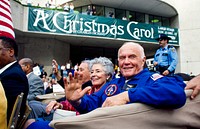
x=7, y=66
x=28, y=74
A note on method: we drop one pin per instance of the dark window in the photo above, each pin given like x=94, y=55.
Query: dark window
x=165, y=22
x=120, y=13
x=131, y=16
x=157, y=20
x=99, y=10
x=78, y=9
x=140, y=17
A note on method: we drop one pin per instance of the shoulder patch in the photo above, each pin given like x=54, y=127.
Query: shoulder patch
x=156, y=76
x=173, y=49
x=111, y=89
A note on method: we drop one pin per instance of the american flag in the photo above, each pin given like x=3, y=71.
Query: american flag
x=6, y=25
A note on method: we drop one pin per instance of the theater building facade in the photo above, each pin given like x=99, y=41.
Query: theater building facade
x=44, y=34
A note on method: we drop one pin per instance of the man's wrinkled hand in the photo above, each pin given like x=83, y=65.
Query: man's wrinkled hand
x=73, y=87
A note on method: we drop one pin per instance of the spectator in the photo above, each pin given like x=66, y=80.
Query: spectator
x=66, y=7
x=111, y=14
x=165, y=59
x=13, y=79
x=83, y=69
x=43, y=72
x=39, y=108
x=89, y=10
x=76, y=67
x=52, y=4
x=137, y=84
x=124, y=18
x=101, y=72
x=71, y=8
x=45, y=81
x=49, y=88
x=94, y=12
x=36, y=86
x=47, y=4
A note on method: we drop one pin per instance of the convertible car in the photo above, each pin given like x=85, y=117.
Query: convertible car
x=136, y=116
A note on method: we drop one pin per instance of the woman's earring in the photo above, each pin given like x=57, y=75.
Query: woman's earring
x=107, y=78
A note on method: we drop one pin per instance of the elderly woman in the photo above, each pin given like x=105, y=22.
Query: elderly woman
x=101, y=71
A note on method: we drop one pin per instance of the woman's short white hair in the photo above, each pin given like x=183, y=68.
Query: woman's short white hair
x=105, y=62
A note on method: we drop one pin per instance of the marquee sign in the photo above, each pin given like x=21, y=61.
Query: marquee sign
x=59, y=22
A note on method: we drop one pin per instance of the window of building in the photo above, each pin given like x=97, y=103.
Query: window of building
x=99, y=10
x=131, y=16
x=109, y=12
x=84, y=9
x=119, y=13
x=165, y=22
x=128, y=15
x=79, y=9
x=158, y=20
x=140, y=17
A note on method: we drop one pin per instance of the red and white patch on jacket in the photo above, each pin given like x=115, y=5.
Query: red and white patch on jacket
x=156, y=76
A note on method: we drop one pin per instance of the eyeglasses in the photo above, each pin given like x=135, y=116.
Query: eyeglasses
x=3, y=48
x=22, y=65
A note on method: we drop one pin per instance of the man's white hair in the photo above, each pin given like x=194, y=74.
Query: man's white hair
x=141, y=49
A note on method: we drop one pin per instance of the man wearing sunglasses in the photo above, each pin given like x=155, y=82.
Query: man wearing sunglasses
x=165, y=59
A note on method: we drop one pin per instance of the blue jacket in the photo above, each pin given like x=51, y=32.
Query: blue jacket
x=14, y=82
x=166, y=57
x=148, y=88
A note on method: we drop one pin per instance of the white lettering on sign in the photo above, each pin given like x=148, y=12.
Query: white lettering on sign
x=63, y=22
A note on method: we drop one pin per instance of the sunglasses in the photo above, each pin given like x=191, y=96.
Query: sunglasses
x=161, y=39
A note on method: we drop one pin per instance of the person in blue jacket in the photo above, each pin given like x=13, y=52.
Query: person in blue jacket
x=165, y=59
x=137, y=84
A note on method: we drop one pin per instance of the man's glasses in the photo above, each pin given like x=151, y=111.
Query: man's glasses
x=4, y=48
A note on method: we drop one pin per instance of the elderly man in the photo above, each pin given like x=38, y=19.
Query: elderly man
x=82, y=69
x=36, y=86
x=39, y=108
x=13, y=79
x=136, y=85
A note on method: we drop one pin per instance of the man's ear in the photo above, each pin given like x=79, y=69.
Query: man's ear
x=144, y=60
x=11, y=52
x=28, y=66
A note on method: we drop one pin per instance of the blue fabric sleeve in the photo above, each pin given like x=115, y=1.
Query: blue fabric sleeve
x=173, y=59
x=91, y=102
x=166, y=92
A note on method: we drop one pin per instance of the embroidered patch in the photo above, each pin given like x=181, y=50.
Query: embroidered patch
x=111, y=89
x=173, y=49
x=156, y=76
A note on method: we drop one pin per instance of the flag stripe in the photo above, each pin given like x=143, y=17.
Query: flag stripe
x=5, y=16
x=6, y=25
x=6, y=20
x=2, y=10
x=6, y=6
x=5, y=29
x=9, y=35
